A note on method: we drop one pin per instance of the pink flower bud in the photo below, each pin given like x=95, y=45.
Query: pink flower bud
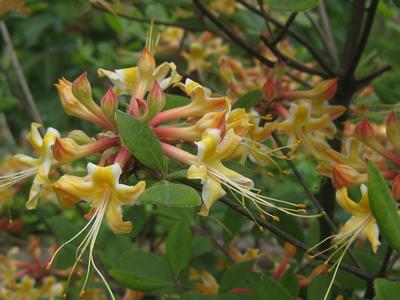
x=346, y=176
x=269, y=90
x=364, y=130
x=109, y=104
x=393, y=130
x=155, y=102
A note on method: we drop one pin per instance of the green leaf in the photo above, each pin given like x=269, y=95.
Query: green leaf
x=172, y=101
x=318, y=287
x=386, y=289
x=290, y=281
x=136, y=281
x=291, y=5
x=200, y=246
x=235, y=276
x=265, y=288
x=383, y=207
x=392, y=56
x=139, y=270
x=170, y=195
x=233, y=221
x=179, y=246
x=141, y=141
x=249, y=99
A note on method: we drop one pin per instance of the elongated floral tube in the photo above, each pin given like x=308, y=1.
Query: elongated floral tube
x=324, y=90
x=74, y=108
x=67, y=150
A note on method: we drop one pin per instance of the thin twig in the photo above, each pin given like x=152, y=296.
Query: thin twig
x=352, y=38
x=284, y=29
x=240, y=42
x=364, y=81
x=299, y=244
x=298, y=38
x=28, y=101
x=326, y=27
x=289, y=61
x=364, y=36
x=310, y=195
x=265, y=16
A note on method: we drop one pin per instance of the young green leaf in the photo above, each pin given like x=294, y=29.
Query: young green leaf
x=179, y=246
x=249, y=99
x=137, y=282
x=141, y=141
x=383, y=207
x=386, y=289
x=170, y=195
x=172, y=101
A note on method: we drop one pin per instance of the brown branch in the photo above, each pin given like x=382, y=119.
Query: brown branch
x=314, y=53
x=310, y=195
x=284, y=29
x=364, y=36
x=289, y=61
x=299, y=244
x=364, y=81
x=240, y=42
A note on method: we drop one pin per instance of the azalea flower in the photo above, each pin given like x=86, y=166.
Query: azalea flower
x=38, y=167
x=100, y=188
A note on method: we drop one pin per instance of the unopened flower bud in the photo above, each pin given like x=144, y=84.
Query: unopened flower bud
x=80, y=137
x=346, y=176
x=364, y=130
x=146, y=63
x=82, y=90
x=109, y=104
x=269, y=90
x=155, y=101
x=323, y=91
x=393, y=130
x=396, y=188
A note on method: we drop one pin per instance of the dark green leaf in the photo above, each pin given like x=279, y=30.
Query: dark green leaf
x=265, y=288
x=179, y=245
x=318, y=287
x=290, y=281
x=170, y=195
x=291, y=5
x=392, y=56
x=137, y=281
x=386, y=289
x=139, y=270
x=235, y=276
x=7, y=103
x=249, y=99
x=383, y=207
x=141, y=141
x=201, y=245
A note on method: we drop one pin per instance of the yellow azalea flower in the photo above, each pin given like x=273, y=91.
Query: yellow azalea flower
x=22, y=289
x=101, y=188
x=312, y=132
x=238, y=257
x=139, y=80
x=362, y=224
x=39, y=167
x=210, y=170
x=208, y=285
x=73, y=107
